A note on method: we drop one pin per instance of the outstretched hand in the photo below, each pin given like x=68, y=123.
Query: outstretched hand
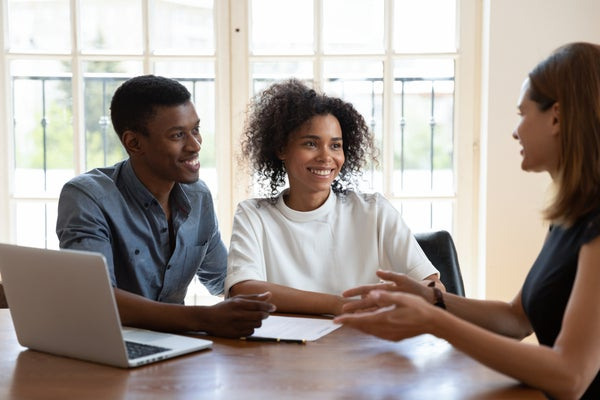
x=391, y=282
x=238, y=316
x=392, y=315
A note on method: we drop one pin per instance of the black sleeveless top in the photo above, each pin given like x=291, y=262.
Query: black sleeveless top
x=548, y=285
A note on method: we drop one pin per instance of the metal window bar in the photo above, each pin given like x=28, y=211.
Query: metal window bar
x=432, y=121
x=403, y=126
x=432, y=126
x=262, y=82
x=372, y=121
x=45, y=123
x=104, y=120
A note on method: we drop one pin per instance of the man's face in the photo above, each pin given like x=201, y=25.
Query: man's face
x=169, y=153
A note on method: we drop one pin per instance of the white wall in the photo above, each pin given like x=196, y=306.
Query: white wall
x=517, y=35
x=4, y=142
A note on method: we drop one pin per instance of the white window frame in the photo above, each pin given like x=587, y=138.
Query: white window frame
x=466, y=121
x=232, y=93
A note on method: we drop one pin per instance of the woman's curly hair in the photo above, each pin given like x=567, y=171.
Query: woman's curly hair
x=283, y=108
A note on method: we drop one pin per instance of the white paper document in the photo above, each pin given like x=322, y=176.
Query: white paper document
x=293, y=329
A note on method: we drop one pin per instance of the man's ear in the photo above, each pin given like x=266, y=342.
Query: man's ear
x=555, y=118
x=131, y=142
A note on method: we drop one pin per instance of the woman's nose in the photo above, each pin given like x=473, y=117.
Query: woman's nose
x=324, y=153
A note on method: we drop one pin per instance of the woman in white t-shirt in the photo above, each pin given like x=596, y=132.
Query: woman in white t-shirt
x=309, y=242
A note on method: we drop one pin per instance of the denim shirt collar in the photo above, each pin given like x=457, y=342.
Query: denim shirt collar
x=141, y=194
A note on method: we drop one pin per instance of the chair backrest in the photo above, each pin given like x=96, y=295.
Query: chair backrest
x=3, y=303
x=439, y=248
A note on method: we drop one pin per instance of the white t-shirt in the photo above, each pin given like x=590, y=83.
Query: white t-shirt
x=336, y=247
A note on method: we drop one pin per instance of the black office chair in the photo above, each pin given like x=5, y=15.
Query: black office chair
x=439, y=248
x=3, y=303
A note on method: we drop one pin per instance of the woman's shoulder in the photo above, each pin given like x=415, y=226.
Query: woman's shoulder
x=591, y=225
x=257, y=203
x=364, y=197
x=369, y=202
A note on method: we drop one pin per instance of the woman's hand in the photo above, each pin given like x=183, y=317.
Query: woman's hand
x=392, y=315
x=391, y=282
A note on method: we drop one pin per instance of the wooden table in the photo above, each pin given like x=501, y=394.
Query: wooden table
x=345, y=364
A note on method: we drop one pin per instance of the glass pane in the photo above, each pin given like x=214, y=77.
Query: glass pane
x=199, y=78
x=423, y=139
x=36, y=224
x=423, y=215
x=203, y=96
x=101, y=79
x=111, y=26
x=265, y=73
x=281, y=27
x=194, y=22
x=43, y=130
x=360, y=83
x=442, y=141
x=33, y=27
x=442, y=215
x=424, y=26
x=353, y=26
x=187, y=69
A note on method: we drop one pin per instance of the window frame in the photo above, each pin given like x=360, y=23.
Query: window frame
x=232, y=88
x=466, y=147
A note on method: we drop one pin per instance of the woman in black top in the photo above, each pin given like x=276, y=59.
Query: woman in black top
x=559, y=132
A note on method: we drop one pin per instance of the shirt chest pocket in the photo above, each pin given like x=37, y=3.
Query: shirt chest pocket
x=179, y=278
x=196, y=253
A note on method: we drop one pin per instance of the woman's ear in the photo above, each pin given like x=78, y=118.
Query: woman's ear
x=281, y=153
x=131, y=142
x=555, y=118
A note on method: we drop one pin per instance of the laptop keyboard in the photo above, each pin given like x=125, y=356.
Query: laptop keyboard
x=137, y=350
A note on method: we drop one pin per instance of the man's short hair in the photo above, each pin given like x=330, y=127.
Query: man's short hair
x=134, y=102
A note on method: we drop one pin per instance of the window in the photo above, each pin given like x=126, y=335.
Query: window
x=60, y=86
x=395, y=61
x=398, y=61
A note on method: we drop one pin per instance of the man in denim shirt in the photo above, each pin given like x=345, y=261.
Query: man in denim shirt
x=153, y=219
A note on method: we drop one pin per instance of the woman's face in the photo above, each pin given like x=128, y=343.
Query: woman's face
x=538, y=134
x=314, y=156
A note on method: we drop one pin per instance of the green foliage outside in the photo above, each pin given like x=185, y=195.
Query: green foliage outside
x=417, y=147
x=103, y=146
x=59, y=148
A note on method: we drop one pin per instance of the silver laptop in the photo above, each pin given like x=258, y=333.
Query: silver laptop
x=61, y=302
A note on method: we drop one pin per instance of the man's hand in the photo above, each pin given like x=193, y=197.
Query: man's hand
x=238, y=316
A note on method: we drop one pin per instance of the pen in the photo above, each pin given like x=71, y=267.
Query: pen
x=277, y=340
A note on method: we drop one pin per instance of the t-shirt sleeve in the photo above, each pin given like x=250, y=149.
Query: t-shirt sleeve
x=401, y=252
x=592, y=230
x=245, y=260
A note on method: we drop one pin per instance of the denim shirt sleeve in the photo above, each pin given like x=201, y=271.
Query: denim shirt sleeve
x=213, y=270
x=111, y=212
x=210, y=251
x=81, y=225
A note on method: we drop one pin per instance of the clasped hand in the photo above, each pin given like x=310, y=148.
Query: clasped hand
x=395, y=309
